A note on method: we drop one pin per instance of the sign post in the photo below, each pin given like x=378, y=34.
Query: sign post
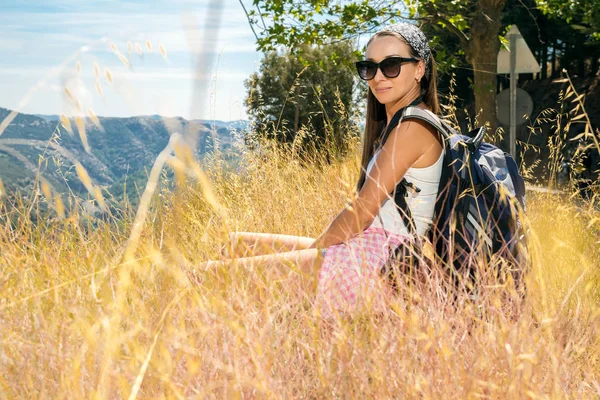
x=517, y=59
x=512, y=37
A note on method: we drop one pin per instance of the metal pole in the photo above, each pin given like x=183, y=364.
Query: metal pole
x=513, y=95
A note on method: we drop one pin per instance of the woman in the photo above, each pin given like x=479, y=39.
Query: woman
x=349, y=254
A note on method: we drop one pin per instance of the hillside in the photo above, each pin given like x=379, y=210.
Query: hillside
x=121, y=152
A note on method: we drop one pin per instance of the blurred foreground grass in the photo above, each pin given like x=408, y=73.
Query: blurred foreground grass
x=77, y=321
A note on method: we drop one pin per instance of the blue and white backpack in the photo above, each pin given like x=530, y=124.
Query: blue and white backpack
x=480, y=197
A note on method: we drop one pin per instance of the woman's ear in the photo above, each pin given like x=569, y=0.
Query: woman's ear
x=420, y=73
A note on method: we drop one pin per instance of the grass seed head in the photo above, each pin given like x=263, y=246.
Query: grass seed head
x=163, y=51
x=94, y=118
x=99, y=89
x=60, y=207
x=108, y=75
x=138, y=49
x=68, y=93
x=66, y=124
x=149, y=46
x=129, y=47
x=96, y=70
x=80, y=122
x=2, y=190
x=97, y=193
x=124, y=60
x=46, y=190
x=84, y=177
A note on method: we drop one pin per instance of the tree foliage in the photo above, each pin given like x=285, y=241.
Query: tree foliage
x=583, y=15
x=464, y=33
x=475, y=23
x=557, y=42
x=304, y=99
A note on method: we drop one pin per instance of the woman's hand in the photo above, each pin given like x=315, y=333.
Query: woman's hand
x=351, y=221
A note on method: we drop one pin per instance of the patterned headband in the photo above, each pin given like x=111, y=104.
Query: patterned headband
x=414, y=37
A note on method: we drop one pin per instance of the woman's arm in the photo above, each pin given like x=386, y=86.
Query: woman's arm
x=410, y=143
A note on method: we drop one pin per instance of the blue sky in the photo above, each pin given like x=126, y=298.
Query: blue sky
x=42, y=42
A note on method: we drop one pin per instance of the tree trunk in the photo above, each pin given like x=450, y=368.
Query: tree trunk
x=483, y=55
x=545, y=44
x=545, y=60
x=484, y=87
x=554, y=59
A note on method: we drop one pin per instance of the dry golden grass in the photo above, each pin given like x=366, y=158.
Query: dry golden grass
x=78, y=319
x=117, y=308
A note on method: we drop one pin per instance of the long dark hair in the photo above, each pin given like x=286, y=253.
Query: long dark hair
x=376, y=115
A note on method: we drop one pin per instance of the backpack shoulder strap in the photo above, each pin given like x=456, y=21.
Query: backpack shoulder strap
x=390, y=127
x=446, y=131
x=412, y=112
x=429, y=117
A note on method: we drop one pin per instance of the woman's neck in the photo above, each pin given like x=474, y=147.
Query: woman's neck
x=392, y=108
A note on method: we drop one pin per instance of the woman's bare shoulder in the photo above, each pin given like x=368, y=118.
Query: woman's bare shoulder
x=421, y=139
x=418, y=131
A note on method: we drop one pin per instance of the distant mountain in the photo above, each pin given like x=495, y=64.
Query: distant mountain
x=122, y=152
x=239, y=124
x=47, y=117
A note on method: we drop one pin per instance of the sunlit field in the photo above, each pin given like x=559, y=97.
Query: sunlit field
x=118, y=308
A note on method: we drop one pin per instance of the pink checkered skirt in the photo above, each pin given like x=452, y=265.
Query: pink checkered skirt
x=350, y=276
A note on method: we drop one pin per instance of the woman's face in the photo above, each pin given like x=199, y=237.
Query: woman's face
x=406, y=85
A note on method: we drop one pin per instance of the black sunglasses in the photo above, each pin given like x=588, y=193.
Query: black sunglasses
x=390, y=67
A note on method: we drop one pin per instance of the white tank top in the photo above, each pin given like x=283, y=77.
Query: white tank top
x=421, y=204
